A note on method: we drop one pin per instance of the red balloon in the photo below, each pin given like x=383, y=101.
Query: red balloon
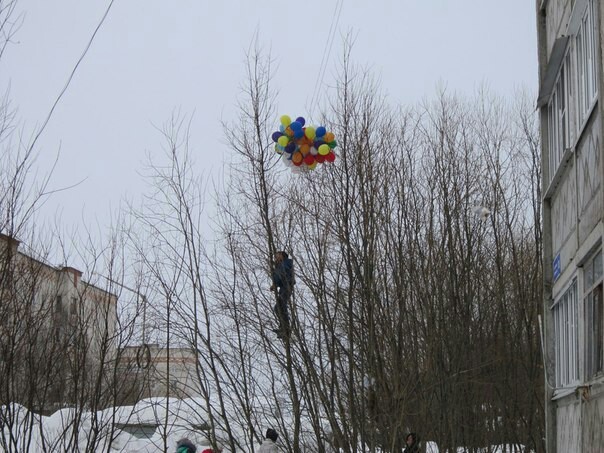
x=330, y=157
x=320, y=158
x=309, y=159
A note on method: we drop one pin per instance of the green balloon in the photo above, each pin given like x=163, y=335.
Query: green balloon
x=333, y=144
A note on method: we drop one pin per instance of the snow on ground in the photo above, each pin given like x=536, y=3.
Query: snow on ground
x=56, y=430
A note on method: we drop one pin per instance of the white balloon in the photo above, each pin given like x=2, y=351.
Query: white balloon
x=313, y=151
x=482, y=212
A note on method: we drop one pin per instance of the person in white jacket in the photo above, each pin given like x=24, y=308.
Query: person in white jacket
x=270, y=443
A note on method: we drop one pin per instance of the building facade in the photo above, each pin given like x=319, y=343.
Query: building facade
x=56, y=331
x=60, y=343
x=570, y=37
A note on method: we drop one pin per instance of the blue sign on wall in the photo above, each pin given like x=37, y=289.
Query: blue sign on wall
x=556, y=267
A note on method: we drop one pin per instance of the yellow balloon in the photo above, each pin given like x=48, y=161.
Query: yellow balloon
x=313, y=165
x=310, y=132
x=283, y=140
x=324, y=149
x=286, y=120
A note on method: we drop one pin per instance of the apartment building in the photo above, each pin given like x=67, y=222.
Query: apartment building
x=570, y=37
x=56, y=330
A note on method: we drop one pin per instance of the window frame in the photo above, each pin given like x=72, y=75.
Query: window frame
x=565, y=313
x=574, y=94
x=593, y=316
x=558, y=119
x=586, y=43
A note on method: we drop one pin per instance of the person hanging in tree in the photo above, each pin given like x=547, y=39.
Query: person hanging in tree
x=283, y=283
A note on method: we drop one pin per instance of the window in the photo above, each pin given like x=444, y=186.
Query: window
x=574, y=92
x=587, y=71
x=566, y=337
x=557, y=123
x=592, y=300
x=73, y=307
x=59, y=309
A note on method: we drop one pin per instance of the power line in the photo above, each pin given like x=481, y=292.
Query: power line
x=326, y=53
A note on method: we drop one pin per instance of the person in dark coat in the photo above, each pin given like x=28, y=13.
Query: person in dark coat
x=283, y=283
x=412, y=442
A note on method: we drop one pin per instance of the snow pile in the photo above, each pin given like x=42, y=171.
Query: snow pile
x=145, y=427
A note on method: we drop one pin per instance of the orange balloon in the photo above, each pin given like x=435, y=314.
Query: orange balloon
x=329, y=137
x=297, y=158
x=304, y=149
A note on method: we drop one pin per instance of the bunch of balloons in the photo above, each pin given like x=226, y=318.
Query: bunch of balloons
x=303, y=147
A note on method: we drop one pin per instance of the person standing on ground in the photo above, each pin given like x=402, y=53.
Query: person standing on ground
x=412, y=442
x=185, y=446
x=270, y=443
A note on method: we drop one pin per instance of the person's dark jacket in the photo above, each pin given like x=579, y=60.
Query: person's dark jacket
x=283, y=275
x=414, y=447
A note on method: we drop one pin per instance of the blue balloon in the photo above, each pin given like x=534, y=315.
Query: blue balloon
x=290, y=148
x=276, y=136
x=301, y=120
x=281, y=128
x=320, y=132
x=295, y=126
x=317, y=143
x=299, y=133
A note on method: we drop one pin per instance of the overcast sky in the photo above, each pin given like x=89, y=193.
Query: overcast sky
x=152, y=57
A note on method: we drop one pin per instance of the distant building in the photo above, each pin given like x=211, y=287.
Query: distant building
x=59, y=342
x=570, y=36
x=147, y=365
x=56, y=331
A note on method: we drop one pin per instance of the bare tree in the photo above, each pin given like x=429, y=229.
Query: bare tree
x=411, y=310
x=61, y=337
x=418, y=273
